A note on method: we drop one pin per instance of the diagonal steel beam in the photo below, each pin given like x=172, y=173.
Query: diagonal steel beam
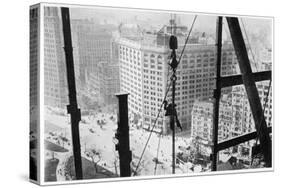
x=251, y=89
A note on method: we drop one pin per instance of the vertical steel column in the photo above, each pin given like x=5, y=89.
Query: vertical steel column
x=217, y=95
x=172, y=122
x=251, y=89
x=123, y=146
x=173, y=43
x=72, y=108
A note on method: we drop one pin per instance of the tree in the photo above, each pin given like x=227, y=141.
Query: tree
x=96, y=157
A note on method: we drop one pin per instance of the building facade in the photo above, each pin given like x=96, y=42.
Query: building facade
x=93, y=45
x=144, y=74
x=202, y=120
x=105, y=82
x=235, y=118
x=34, y=55
x=55, y=85
x=243, y=121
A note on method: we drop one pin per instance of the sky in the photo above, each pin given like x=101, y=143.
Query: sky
x=260, y=27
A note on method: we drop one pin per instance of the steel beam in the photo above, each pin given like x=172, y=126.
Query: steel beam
x=239, y=140
x=122, y=135
x=172, y=122
x=72, y=108
x=251, y=89
x=228, y=81
x=217, y=95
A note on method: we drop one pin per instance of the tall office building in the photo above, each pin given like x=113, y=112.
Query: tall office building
x=202, y=119
x=243, y=121
x=55, y=84
x=34, y=56
x=144, y=74
x=235, y=118
x=105, y=81
x=75, y=51
x=229, y=126
x=266, y=59
x=93, y=45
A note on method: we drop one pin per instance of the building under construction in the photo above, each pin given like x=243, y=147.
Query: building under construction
x=169, y=100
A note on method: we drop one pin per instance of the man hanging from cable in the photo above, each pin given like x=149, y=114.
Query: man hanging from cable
x=170, y=111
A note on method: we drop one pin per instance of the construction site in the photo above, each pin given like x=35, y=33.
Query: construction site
x=129, y=100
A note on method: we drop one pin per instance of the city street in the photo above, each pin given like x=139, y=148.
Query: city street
x=100, y=138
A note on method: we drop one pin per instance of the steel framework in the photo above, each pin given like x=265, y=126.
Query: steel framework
x=248, y=78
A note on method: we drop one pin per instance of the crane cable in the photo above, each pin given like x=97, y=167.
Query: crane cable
x=187, y=38
x=173, y=30
x=157, y=154
x=159, y=111
x=167, y=90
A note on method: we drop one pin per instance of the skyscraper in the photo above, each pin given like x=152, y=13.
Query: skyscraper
x=34, y=55
x=93, y=43
x=104, y=81
x=144, y=74
x=54, y=62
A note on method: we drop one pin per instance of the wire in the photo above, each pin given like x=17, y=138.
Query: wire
x=158, y=147
x=186, y=41
x=187, y=38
